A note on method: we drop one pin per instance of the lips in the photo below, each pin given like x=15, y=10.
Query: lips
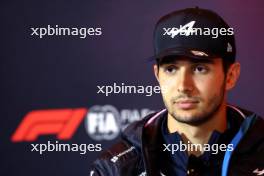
x=186, y=104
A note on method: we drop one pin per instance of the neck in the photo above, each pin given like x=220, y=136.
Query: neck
x=199, y=134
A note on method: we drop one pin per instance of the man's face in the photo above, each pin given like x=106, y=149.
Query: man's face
x=192, y=89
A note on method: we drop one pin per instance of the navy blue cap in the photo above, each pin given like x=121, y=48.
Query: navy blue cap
x=196, y=33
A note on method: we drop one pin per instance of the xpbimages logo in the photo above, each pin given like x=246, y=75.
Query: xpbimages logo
x=101, y=122
x=56, y=30
x=189, y=29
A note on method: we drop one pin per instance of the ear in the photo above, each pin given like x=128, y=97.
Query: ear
x=232, y=75
x=156, y=71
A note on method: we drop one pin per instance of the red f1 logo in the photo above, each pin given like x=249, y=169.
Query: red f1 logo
x=62, y=122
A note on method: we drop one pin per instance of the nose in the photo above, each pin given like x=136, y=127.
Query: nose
x=185, y=81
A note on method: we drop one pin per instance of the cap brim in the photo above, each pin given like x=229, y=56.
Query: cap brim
x=187, y=52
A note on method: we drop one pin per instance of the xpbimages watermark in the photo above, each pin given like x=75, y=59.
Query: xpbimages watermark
x=81, y=32
x=188, y=29
x=62, y=147
x=214, y=148
x=129, y=89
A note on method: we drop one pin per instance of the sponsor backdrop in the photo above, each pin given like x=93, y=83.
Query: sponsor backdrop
x=53, y=84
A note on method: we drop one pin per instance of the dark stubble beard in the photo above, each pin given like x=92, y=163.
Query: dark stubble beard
x=205, y=115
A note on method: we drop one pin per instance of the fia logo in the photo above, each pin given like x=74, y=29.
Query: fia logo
x=106, y=122
x=102, y=122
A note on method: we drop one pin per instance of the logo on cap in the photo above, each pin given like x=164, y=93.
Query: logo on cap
x=186, y=30
x=229, y=48
x=189, y=30
x=199, y=53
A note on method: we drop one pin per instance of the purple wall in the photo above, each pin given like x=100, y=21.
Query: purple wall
x=63, y=72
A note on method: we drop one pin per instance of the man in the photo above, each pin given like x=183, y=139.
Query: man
x=198, y=133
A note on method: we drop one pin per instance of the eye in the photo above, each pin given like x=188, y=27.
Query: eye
x=200, y=69
x=170, y=69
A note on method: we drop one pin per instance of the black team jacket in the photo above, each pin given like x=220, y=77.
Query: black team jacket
x=138, y=152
